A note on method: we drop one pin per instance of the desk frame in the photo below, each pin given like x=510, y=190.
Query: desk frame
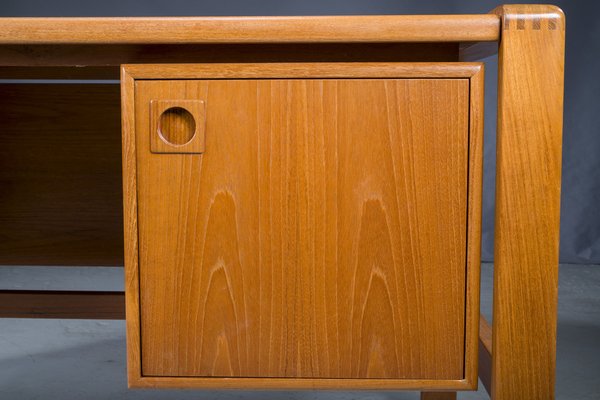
x=517, y=353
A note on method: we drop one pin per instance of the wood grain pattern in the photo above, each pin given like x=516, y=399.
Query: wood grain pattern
x=258, y=383
x=281, y=251
x=177, y=126
x=130, y=229
x=60, y=173
x=314, y=29
x=308, y=70
x=528, y=173
x=221, y=211
x=136, y=378
x=475, y=193
x=61, y=304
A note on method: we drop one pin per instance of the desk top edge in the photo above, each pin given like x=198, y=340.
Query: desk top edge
x=280, y=29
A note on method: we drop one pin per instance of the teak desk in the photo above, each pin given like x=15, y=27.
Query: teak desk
x=302, y=195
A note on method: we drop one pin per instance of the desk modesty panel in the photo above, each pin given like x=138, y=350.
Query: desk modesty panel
x=303, y=225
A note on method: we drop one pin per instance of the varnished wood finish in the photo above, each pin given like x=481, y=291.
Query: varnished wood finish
x=309, y=29
x=267, y=262
x=528, y=181
x=438, y=396
x=528, y=171
x=485, y=354
x=303, y=70
x=61, y=304
x=177, y=126
x=474, y=192
x=226, y=383
x=485, y=334
x=261, y=259
x=130, y=225
x=60, y=174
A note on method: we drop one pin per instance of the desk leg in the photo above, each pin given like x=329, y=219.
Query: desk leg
x=529, y=142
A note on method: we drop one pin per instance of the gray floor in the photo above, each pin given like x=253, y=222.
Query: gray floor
x=70, y=359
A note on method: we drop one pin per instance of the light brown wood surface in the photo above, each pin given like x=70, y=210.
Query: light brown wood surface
x=300, y=243
x=341, y=29
x=474, y=192
x=130, y=229
x=177, y=126
x=60, y=174
x=529, y=143
x=291, y=247
x=309, y=70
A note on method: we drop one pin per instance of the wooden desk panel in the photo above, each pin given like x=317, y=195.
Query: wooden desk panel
x=299, y=244
x=60, y=173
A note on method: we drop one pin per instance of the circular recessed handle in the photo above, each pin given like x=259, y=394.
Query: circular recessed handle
x=176, y=126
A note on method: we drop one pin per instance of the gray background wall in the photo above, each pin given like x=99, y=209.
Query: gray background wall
x=580, y=221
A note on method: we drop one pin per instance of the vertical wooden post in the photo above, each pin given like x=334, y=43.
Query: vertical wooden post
x=531, y=69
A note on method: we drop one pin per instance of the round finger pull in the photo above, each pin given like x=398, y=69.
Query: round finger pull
x=177, y=126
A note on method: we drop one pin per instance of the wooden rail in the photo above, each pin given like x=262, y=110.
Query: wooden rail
x=314, y=29
x=61, y=304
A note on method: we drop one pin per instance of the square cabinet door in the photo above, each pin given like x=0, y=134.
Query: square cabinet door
x=305, y=224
